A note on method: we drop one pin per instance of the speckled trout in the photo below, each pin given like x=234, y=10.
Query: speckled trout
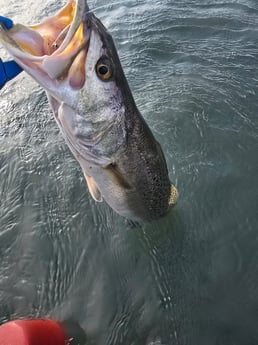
x=73, y=57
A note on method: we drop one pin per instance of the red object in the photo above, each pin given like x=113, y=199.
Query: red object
x=32, y=332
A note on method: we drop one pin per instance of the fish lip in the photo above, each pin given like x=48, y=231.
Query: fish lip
x=37, y=65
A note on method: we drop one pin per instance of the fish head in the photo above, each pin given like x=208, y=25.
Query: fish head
x=71, y=55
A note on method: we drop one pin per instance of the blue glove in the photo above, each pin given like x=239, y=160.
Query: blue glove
x=9, y=69
x=6, y=21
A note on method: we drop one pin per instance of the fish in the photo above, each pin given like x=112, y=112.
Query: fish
x=74, y=59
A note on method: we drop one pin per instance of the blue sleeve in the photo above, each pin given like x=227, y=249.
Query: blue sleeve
x=7, y=22
x=9, y=69
x=3, y=78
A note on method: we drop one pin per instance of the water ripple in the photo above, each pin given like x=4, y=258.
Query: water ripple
x=189, y=278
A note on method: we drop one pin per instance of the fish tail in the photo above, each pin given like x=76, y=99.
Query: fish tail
x=173, y=195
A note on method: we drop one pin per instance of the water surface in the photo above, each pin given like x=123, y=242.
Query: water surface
x=190, y=278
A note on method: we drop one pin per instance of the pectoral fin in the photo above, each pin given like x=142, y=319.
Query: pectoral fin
x=116, y=176
x=94, y=191
x=173, y=195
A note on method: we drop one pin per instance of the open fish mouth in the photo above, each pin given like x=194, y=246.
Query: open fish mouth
x=55, y=50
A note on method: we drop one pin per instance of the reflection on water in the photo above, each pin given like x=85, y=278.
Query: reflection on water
x=190, y=278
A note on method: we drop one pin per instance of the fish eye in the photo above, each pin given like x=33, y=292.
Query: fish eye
x=103, y=69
